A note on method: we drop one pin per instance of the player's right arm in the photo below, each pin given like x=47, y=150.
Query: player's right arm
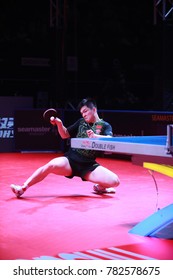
x=62, y=130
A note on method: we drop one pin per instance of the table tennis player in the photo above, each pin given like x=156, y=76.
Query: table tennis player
x=78, y=162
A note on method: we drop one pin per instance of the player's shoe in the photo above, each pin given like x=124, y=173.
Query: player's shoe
x=101, y=190
x=18, y=190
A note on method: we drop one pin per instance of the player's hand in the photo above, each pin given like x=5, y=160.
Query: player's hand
x=52, y=121
x=91, y=133
x=55, y=121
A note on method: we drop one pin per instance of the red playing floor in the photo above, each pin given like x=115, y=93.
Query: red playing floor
x=63, y=219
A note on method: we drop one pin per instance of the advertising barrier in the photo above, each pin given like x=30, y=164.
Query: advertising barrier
x=8, y=105
x=33, y=133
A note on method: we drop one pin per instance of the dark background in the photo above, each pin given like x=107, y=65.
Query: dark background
x=61, y=51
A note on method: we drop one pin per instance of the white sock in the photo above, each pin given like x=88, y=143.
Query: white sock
x=25, y=186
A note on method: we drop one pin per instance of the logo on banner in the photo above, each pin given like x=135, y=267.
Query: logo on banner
x=7, y=127
x=34, y=130
x=93, y=145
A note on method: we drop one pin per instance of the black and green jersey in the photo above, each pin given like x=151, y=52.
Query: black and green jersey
x=79, y=130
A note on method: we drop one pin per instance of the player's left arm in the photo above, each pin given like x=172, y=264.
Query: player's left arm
x=106, y=131
x=91, y=134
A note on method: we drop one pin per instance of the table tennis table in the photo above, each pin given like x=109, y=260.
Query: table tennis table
x=147, y=145
x=160, y=146
x=154, y=149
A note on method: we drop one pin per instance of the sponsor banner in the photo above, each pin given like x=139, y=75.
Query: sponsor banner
x=35, y=61
x=8, y=105
x=6, y=127
x=138, y=123
x=28, y=131
x=32, y=133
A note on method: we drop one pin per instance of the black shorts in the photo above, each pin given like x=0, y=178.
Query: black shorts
x=80, y=168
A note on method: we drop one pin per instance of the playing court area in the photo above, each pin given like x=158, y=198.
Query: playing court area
x=64, y=219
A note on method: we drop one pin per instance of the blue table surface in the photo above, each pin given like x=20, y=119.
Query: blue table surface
x=151, y=140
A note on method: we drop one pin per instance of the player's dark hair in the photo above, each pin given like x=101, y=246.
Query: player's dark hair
x=89, y=102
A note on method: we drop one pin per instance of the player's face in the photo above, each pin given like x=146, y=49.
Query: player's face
x=87, y=113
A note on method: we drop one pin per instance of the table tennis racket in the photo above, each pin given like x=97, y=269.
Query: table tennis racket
x=49, y=113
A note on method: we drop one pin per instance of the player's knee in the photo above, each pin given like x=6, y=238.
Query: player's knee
x=116, y=181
